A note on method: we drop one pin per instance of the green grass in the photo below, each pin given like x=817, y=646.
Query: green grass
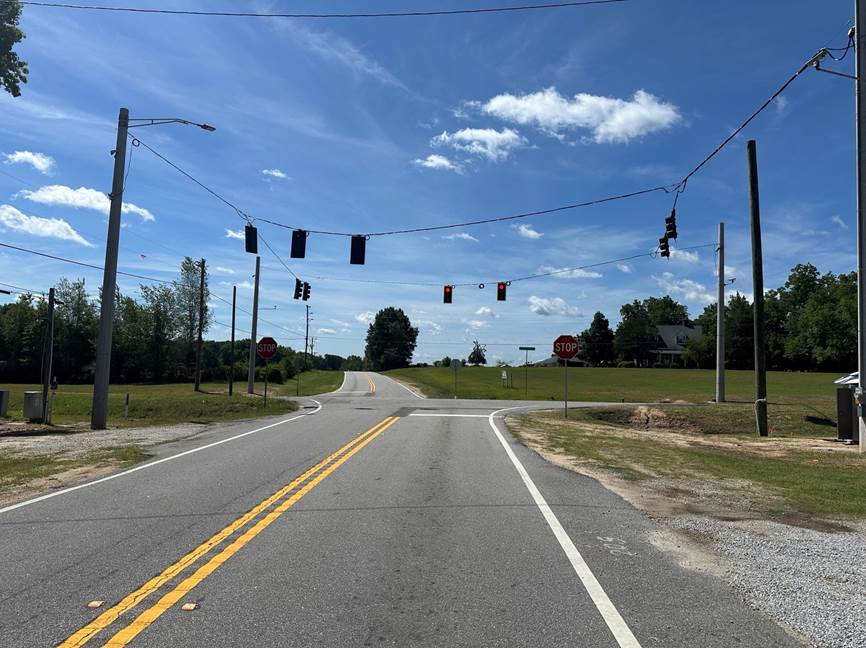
x=17, y=468
x=314, y=382
x=826, y=483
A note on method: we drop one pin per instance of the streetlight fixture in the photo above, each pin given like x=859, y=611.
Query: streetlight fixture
x=99, y=413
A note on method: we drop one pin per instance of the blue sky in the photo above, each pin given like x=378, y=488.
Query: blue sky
x=370, y=125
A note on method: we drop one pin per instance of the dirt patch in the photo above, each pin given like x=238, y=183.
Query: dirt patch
x=56, y=481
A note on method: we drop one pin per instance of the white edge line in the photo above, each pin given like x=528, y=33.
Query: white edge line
x=41, y=498
x=338, y=390
x=403, y=386
x=617, y=625
x=454, y=415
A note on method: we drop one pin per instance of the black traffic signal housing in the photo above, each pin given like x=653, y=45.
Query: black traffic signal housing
x=500, y=291
x=664, y=247
x=299, y=288
x=299, y=244
x=251, y=239
x=671, y=225
x=447, y=294
x=359, y=249
x=306, y=291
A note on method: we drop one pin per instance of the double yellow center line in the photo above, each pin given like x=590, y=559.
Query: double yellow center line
x=372, y=385
x=318, y=472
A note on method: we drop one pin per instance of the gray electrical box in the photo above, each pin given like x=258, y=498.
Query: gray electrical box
x=4, y=401
x=33, y=405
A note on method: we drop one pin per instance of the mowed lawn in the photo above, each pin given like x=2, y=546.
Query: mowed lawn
x=176, y=402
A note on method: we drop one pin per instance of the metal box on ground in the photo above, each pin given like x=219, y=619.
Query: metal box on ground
x=33, y=405
x=4, y=401
x=846, y=413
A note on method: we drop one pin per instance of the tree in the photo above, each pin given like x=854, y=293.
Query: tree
x=635, y=336
x=598, y=341
x=391, y=340
x=13, y=71
x=739, y=333
x=665, y=310
x=476, y=357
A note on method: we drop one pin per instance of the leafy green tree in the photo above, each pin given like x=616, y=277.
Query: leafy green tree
x=598, y=341
x=187, y=289
x=635, y=335
x=353, y=363
x=665, y=310
x=739, y=333
x=391, y=340
x=477, y=357
x=75, y=323
x=13, y=71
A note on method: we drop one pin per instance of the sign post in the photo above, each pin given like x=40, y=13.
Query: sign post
x=455, y=367
x=266, y=349
x=526, y=370
x=565, y=347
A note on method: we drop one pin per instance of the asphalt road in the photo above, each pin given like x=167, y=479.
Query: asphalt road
x=371, y=518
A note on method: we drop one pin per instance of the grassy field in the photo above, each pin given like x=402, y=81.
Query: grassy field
x=175, y=403
x=16, y=469
x=814, y=482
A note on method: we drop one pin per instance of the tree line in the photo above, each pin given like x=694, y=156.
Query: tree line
x=154, y=337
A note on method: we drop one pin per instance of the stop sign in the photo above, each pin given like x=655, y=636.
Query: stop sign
x=565, y=346
x=266, y=348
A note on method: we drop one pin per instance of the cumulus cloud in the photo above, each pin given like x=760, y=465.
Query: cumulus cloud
x=235, y=234
x=609, y=119
x=81, y=198
x=570, y=273
x=484, y=310
x=838, y=220
x=327, y=331
x=685, y=288
x=39, y=161
x=556, y=306
x=222, y=270
x=243, y=285
x=37, y=226
x=366, y=317
x=463, y=236
x=434, y=327
x=274, y=173
x=526, y=231
x=477, y=324
x=624, y=267
x=684, y=255
x=485, y=142
x=440, y=162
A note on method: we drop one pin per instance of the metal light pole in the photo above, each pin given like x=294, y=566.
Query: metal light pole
x=102, y=373
x=720, y=320
x=251, y=370
x=860, y=96
x=232, y=370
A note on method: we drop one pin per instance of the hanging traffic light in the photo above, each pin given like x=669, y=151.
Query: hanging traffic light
x=299, y=288
x=500, y=291
x=664, y=247
x=671, y=225
x=306, y=292
x=447, y=294
x=359, y=246
x=251, y=239
x=299, y=244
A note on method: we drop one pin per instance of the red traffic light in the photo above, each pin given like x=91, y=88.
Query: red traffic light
x=447, y=294
x=500, y=291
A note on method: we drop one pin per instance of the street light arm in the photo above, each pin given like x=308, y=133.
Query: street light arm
x=157, y=121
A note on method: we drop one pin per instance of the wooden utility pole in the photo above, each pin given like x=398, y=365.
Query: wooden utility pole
x=201, y=306
x=720, y=320
x=758, y=288
x=48, y=354
x=232, y=370
x=307, y=338
x=860, y=124
x=251, y=374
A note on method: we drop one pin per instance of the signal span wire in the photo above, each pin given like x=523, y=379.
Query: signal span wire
x=387, y=14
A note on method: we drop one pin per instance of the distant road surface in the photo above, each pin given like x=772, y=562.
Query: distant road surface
x=372, y=517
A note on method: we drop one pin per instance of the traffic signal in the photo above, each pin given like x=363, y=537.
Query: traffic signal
x=447, y=294
x=664, y=247
x=500, y=291
x=359, y=246
x=251, y=239
x=299, y=244
x=671, y=225
x=299, y=288
x=306, y=291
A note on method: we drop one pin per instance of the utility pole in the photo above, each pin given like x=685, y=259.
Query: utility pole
x=200, y=329
x=48, y=355
x=251, y=374
x=102, y=373
x=758, y=288
x=232, y=370
x=307, y=339
x=860, y=94
x=720, y=320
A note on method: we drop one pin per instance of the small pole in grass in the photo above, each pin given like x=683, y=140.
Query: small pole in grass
x=266, y=384
x=126, y=406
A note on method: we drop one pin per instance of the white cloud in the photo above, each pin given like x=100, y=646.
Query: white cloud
x=838, y=220
x=435, y=161
x=38, y=226
x=684, y=288
x=222, y=270
x=366, y=317
x=39, y=161
x=235, y=234
x=609, y=119
x=485, y=142
x=684, y=255
x=274, y=173
x=327, y=331
x=463, y=236
x=430, y=325
x=484, y=310
x=781, y=104
x=477, y=324
x=624, y=267
x=526, y=231
x=555, y=306
x=81, y=198
x=570, y=273
x=339, y=323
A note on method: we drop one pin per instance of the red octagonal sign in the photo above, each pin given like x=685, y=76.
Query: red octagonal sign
x=566, y=347
x=266, y=348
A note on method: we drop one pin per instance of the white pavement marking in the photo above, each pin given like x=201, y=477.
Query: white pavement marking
x=12, y=507
x=618, y=627
x=403, y=386
x=457, y=415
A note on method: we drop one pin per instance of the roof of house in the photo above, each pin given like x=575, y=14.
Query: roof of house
x=671, y=334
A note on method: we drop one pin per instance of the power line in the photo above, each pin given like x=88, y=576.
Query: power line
x=18, y=290
x=388, y=14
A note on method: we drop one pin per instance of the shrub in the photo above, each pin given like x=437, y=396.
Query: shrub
x=275, y=375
